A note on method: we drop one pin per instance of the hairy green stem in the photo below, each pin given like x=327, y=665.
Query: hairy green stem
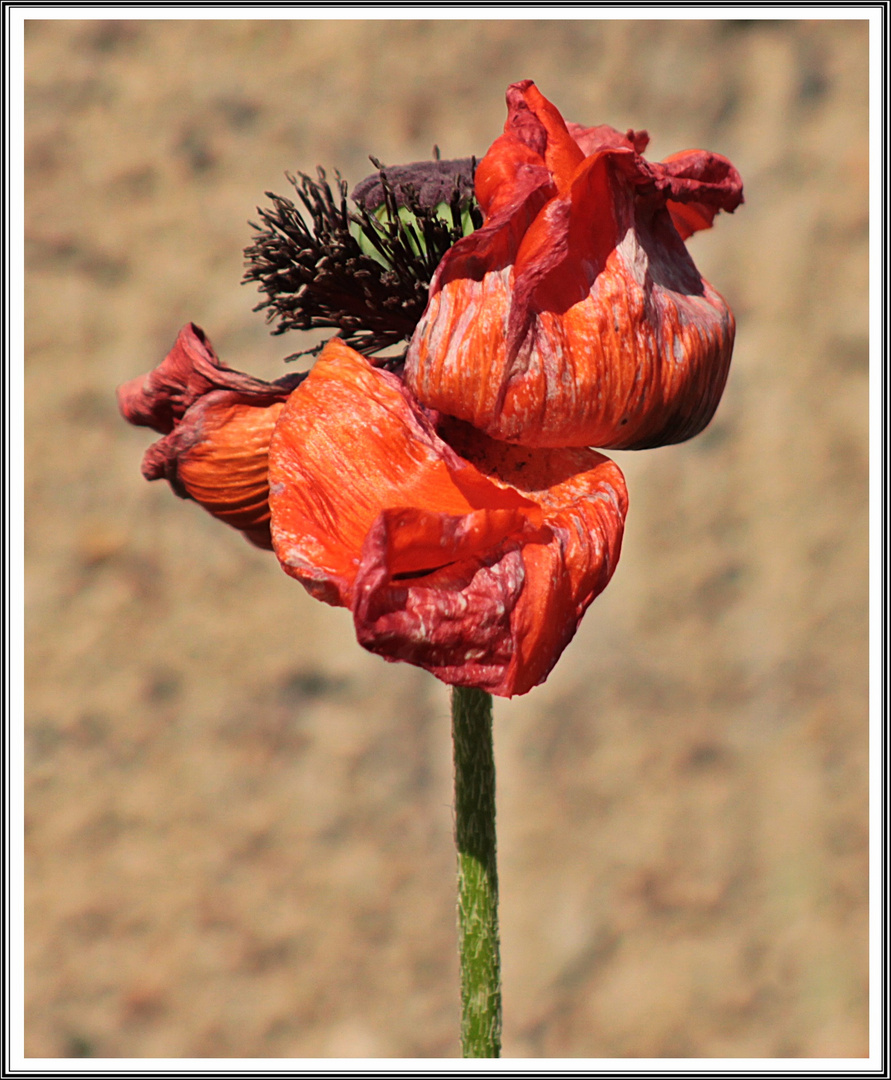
x=477, y=873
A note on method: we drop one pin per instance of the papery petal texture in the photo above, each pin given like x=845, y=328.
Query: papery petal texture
x=575, y=315
x=217, y=424
x=473, y=559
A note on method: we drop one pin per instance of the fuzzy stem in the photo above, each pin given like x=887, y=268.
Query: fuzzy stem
x=477, y=873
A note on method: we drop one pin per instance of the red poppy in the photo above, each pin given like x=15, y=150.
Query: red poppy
x=216, y=424
x=473, y=559
x=575, y=315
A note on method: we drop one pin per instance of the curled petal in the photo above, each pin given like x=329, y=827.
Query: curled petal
x=575, y=316
x=532, y=119
x=701, y=184
x=455, y=620
x=583, y=502
x=601, y=137
x=217, y=424
x=191, y=369
x=218, y=456
x=474, y=560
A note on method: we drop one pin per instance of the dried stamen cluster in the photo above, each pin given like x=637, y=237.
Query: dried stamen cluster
x=363, y=272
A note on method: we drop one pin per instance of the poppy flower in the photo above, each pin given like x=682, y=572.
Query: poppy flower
x=575, y=316
x=473, y=559
x=453, y=505
x=216, y=424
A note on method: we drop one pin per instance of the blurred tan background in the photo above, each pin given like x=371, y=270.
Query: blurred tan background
x=238, y=833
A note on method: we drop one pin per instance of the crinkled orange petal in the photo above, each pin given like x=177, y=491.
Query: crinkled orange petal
x=217, y=423
x=575, y=316
x=226, y=469
x=349, y=444
x=475, y=562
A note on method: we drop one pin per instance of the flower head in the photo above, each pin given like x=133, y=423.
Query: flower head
x=452, y=505
x=472, y=559
x=575, y=315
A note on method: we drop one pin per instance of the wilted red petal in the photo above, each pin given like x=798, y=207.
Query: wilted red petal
x=529, y=110
x=583, y=500
x=456, y=621
x=476, y=565
x=575, y=316
x=602, y=137
x=190, y=370
x=217, y=425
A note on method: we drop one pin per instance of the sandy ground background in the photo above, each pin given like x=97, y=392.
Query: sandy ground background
x=238, y=831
